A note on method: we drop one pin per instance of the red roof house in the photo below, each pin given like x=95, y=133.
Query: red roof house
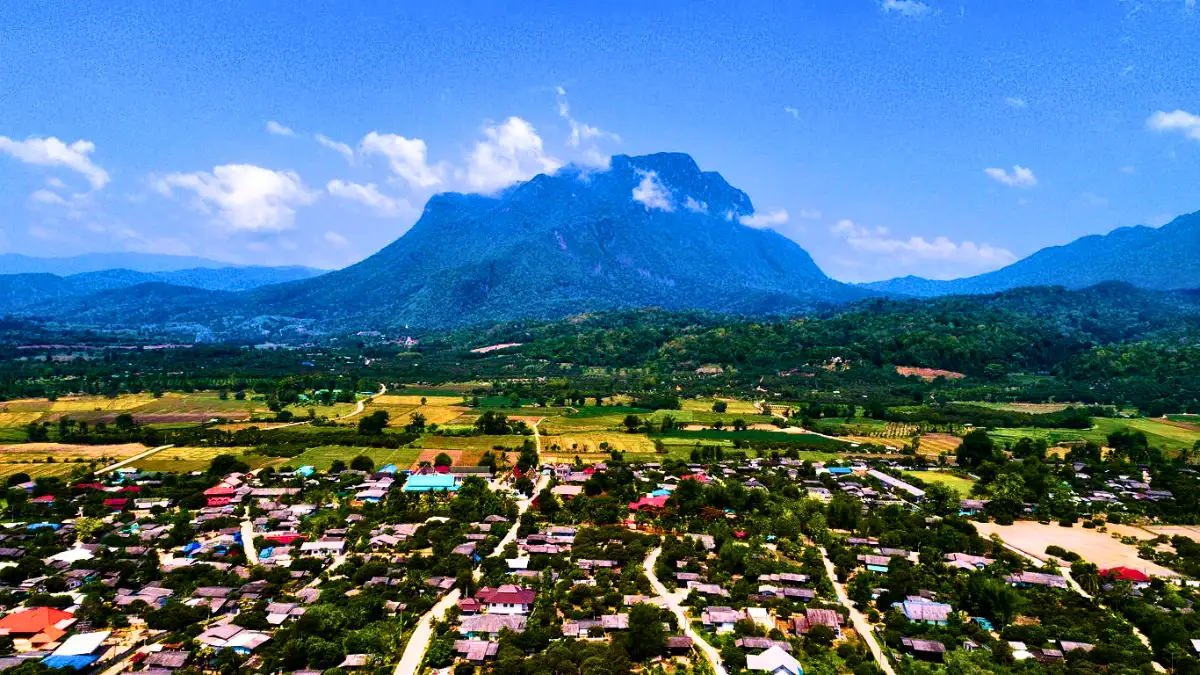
x=32, y=621
x=44, y=499
x=507, y=599
x=116, y=503
x=648, y=503
x=219, y=501
x=1126, y=574
x=220, y=491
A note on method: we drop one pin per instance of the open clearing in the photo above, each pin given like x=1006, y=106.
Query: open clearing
x=957, y=483
x=1095, y=547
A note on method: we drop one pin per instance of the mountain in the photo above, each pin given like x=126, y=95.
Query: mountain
x=1165, y=258
x=15, y=263
x=571, y=242
x=19, y=291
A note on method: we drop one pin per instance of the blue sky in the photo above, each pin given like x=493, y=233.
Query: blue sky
x=887, y=137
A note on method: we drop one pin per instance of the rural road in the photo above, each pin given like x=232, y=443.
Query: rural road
x=711, y=654
x=414, y=651
x=135, y=458
x=248, y=539
x=861, y=625
x=362, y=404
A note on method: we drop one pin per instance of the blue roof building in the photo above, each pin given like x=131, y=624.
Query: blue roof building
x=434, y=482
x=390, y=468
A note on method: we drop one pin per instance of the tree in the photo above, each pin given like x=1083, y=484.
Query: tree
x=820, y=634
x=1008, y=495
x=373, y=424
x=632, y=423
x=977, y=447
x=443, y=459
x=940, y=500
x=416, y=423
x=337, y=466
x=223, y=465
x=720, y=407
x=18, y=478
x=739, y=424
x=86, y=527
x=362, y=463
x=646, y=637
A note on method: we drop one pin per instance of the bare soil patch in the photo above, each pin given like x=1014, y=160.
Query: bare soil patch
x=1096, y=547
x=928, y=374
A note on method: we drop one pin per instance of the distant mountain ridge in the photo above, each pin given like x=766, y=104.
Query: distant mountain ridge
x=19, y=291
x=1165, y=258
x=571, y=242
x=15, y=263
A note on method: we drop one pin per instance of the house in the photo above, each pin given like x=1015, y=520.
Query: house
x=1138, y=578
x=648, y=504
x=722, y=619
x=78, y=651
x=1026, y=579
x=928, y=650
x=507, y=599
x=815, y=616
x=36, y=626
x=934, y=613
x=280, y=612
x=875, y=563
x=228, y=636
x=966, y=561
x=434, y=482
x=761, y=643
x=679, y=644
x=169, y=659
x=491, y=625
x=476, y=651
x=566, y=491
x=774, y=661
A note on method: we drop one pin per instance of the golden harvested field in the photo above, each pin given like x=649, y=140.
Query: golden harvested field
x=31, y=458
x=1095, y=547
x=413, y=400
x=589, y=442
x=479, y=443
x=181, y=460
x=896, y=443
x=1034, y=408
x=935, y=444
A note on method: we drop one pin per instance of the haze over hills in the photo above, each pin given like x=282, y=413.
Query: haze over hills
x=15, y=263
x=649, y=231
x=18, y=291
x=1165, y=258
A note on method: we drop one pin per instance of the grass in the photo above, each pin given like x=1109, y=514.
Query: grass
x=322, y=457
x=959, y=484
x=184, y=460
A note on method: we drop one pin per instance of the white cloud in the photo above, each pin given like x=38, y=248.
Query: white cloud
x=877, y=241
x=1128, y=170
x=1180, y=120
x=765, y=220
x=369, y=195
x=810, y=214
x=245, y=197
x=55, y=183
x=1014, y=102
x=336, y=239
x=512, y=152
x=695, y=206
x=406, y=157
x=584, y=134
x=1093, y=200
x=340, y=148
x=1019, y=177
x=906, y=7
x=278, y=129
x=53, y=152
x=792, y=111
x=651, y=193
x=47, y=197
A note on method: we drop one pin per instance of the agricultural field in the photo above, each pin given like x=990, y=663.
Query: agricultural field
x=732, y=406
x=171, y=409
x=1032, y=408
x=1160, y=433
x=1101, y=548
x=322, y=457
x=936, y=444
x=183, y=460
x=34, y=458
x=584, y=442
x=706, y=437
x=957, y=483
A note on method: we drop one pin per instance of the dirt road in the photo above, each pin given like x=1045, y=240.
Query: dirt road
x=135, y=458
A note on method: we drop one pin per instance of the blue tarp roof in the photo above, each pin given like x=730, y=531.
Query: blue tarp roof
x=40, y=526
x=76, y=662
x=390, y=468
x=660, y=493
x=430, y=482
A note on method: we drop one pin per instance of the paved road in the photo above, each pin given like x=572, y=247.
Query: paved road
x=861, y=625
x=672, y=603
x=135, y=458
x=414, y=651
